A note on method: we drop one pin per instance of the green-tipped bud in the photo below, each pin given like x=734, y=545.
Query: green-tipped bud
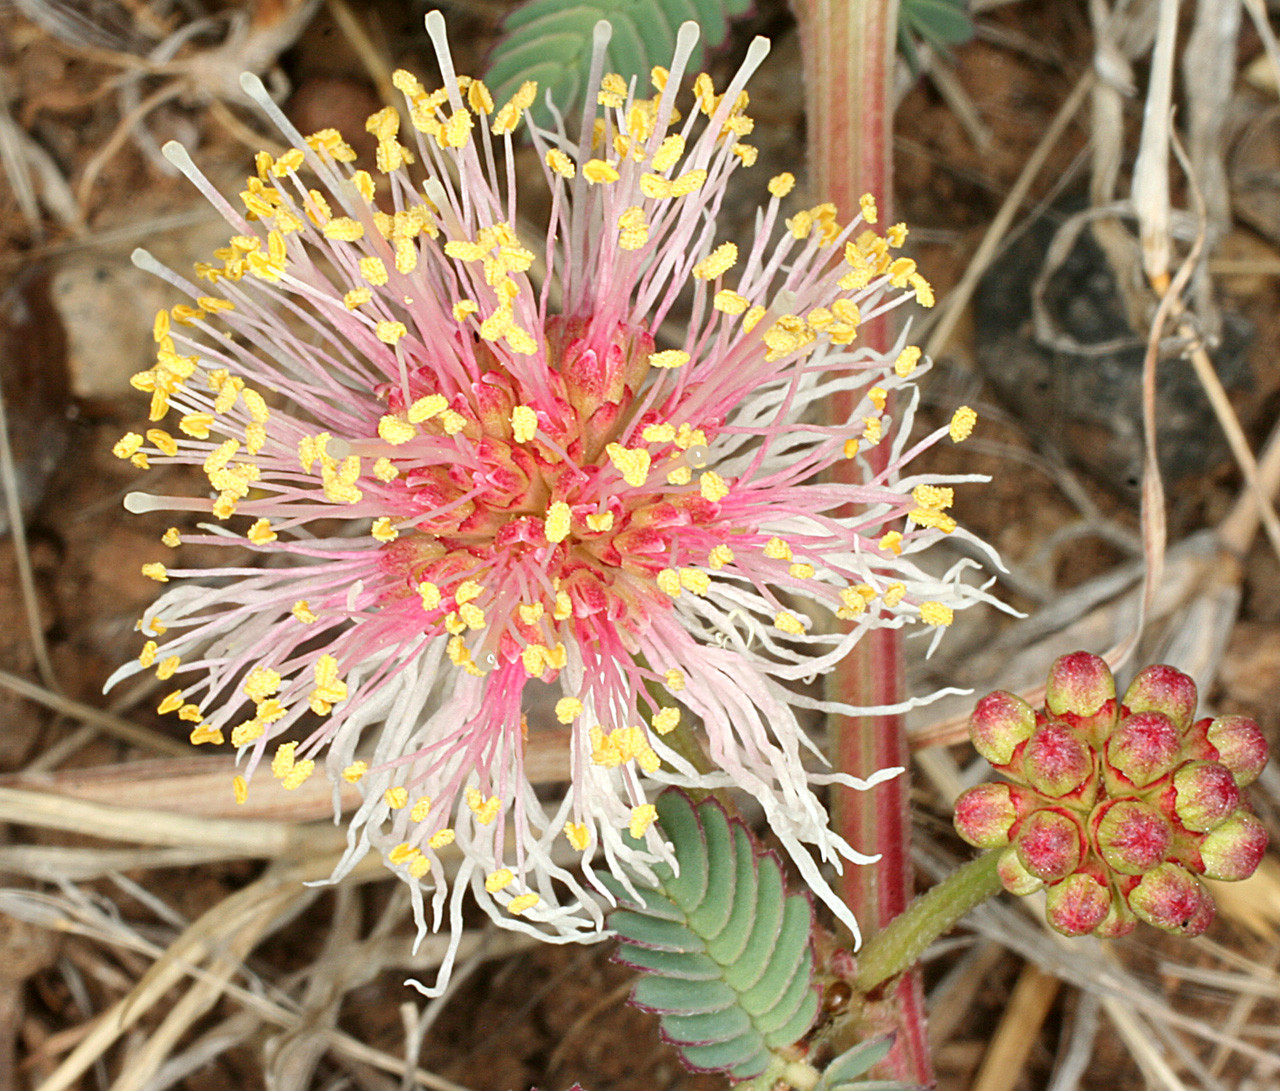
x=1205, y=794
x=1240, y=746
x=1016, y=878
x=985, y=815
x=1144, y=748
x=1078, y=904
x=1082, y=691
x=1131, y=836
x=1164, y=689
x=1056, y=761
x=1173, y=900
x=1119, y=921
x=1234, y=849
x=1050, y=844
x=1000, y=723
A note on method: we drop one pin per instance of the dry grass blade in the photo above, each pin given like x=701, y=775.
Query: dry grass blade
x=1020, y=1024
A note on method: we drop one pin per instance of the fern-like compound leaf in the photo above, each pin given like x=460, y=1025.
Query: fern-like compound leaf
x=724, y=949
x=550, y=41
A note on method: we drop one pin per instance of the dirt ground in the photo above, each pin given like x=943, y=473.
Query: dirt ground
x=1061, y=508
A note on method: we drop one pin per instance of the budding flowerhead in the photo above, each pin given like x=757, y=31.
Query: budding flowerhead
x=1116, y=807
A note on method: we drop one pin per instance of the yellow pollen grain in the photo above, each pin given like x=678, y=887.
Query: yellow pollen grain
x=374, y=270
x=893, y=593
x=669, y=582
x=872, y=430
x=578, y=834
x=261, y=533
x=498, y=880
x=642, y=818
x=879, y=396
x=239, y=788
x=196, y=425
x=283, y=761
x=730, y=302
x=472, y=615
x=788, y=623
x=781, y=184
x=452, y=422
x=561, y=164
x=601, y=522
x=557, y=523
x=658, y=433
x=936, y=614
x=717, y=263
x=463, y=308
x=568, y=709
x=868, y=205
x=600, y=172
x=302, y=611
x=665, y=720
x=172, y=538
x=695, y=580
x=355, y=772
x=712, y=486
x=384, y=530
x=247, y=732
x=906, y=362
x=962, y=423
x=156, y=571
x=633, y=464
x=430, y=593
x=524, y=423
x=298, y=775
x=682, y=476
x=777, y=550
x=402, y=853
x=669, y=358
x=530, y=612
x=720, y=556
x=522, y=903
x=396, y=797
x=468, y=591
x=385, y=470
x=563, y=608
x=203, y=733
x=441, y=838
x=396, y=431
x=802, y=571
x=891, y=542
x=674, y=678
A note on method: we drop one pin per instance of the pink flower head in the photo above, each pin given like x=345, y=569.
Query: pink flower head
x=470, y=499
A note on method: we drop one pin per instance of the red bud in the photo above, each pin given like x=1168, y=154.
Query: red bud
x=1144, y=748
x=1078, y=904
x=1050, y=844
x=985, y=815
x=1016, y=878
x=1082, y=691
x=1161, y=688
x=999, y=724
x=1240, y=745
x=1174, y=900
x=1131, y=836
x=1234, y=849
x=1056, y=761
x=1205, y=794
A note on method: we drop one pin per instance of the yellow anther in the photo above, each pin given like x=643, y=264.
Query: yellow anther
x=563, y=608
x=896, y=235
x=402, y=853
x=190, y=713
x=419, y=866
x=600, y=172
x=867, y=202
x=872, y=430
x=933, y=496
x=452, y=422
x=261, y=683
x=801, y=571
x=385, y=470
x=668, y=153
x=642, y=818
x=298, y=775
x=578, y=834
x=343, y=229
x=962, y=423
x=923, y=290
x=384, y=530
x=424, y=409
x=729, y=301
x=675, y=679
x=906, y=362
x=357, y=297
x=389, y=333
x=522, y=902
x=534, y=660
x=172, y=538
x=127, y=446
x=781, y=184
x=879, y=396
x=633, y=463
x=557, y=523
x=665, y=720
x=171, y=703
x=720, y=556
x=479, y=98
x=148, y=654
x=695, y=580
x=468, y=591
x=561, y=164
x=689, y=182
x=355, y=772
x=255, y=436
x=164, y=442
x=777, y=550
x=600, y=523
x=302, y=611
x=752, y=318
x=472, y=615
x=261, y=533
x=498, y=880
x=374, y=270
x=395, y=430
x=421, y=809
x=658, y=433
x=929, y=517
x=717, y=263
x=283, y=761
x=936, y=614
x=247, y=732
x=682, y=476
x=156, y=571
x=669, y=358
x=530, y=612
x=441, y=838
x=431, y=596
x=396, y=797
x=655, y=186
x=712, y=486
x=613, y=91
x=788, y=623
x=669, y=582
x=800, y=225
x=203, y=733
x=454, y=625
x=893, y=593
x=568, y=709
x=891, y=542
x=524, y=423
x=747, y=153
x=239, y=787
x=485, y=810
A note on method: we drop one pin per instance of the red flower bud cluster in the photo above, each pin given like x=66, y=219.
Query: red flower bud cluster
x=1116, y=806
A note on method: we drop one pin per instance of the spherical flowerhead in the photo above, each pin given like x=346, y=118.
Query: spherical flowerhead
x=1116, y=808
x=465, y=485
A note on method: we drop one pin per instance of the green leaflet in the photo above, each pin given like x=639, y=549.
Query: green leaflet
x=724, y=949
x=939, y=23
x=550, y=41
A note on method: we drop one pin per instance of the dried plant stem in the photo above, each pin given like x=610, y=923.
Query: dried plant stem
x=1020, y=1025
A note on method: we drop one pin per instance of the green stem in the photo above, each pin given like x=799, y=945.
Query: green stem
x=896, y=948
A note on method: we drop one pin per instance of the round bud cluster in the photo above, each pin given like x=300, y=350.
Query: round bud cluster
x=1116, y=807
